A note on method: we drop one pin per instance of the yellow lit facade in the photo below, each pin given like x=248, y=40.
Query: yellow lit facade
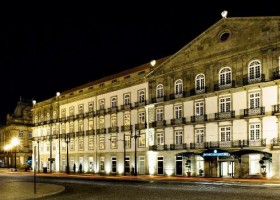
x=211, y=110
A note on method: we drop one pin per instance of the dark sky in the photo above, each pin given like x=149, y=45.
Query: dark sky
x=50, y=48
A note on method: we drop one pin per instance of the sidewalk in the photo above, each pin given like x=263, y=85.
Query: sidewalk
x=25, y=190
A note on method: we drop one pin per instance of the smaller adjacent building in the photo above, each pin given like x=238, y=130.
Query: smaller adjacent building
x=18, y=130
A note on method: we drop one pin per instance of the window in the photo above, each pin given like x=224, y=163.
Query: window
x=90, y=106
x=199, y=108
x=81, y=125
x=54, y=115
x=102, y=164
x=72, y=144
x=225, y=133
x=127, y=119
x=141, y=117
x=255, y=130
x=159, y=91
x=159, y=114
x=142, y=140
x=178, y=111
x=101, y=104
x=102, y=143
x=63, y=129
x=90, y=142
x=199, y=135
x=225, y=76
x=81, y=109
x=30, y=135
x=225, y=104
x=20, y=134
x=178, y=137
x=113, y=102
x=113, y=121
x=141, y=96
x=254, y=100
x=200, y=82
x=63, y=113
x=127, y=141
x=179, y=87
x=41, y=118
x=126, y=99
x=101, y=122
x=81, y=143
x=90, y=124
x=160, y=139
x=71, y=127
x=254, y=70
x=114, y=142
x=48, y=116
x=71, y=111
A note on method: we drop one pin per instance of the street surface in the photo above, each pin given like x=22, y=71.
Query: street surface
x=132, y=189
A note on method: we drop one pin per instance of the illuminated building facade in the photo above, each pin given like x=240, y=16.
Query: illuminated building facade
x=211, y=109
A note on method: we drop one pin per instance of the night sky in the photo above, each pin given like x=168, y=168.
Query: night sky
x=50, y=48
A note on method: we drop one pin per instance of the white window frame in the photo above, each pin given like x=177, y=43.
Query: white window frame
x=225, y=104
x=178, y=111
x=178, y=86
x=225, y=76
x=159, y=91
x=254, y=70
x=200, y=82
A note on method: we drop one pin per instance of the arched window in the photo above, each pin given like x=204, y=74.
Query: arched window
x=113, y=102
x=179, y=86
x=126, y=99
x=141, y=96
x=225, y=76
x=200, y=82
x=159, y=91
x=254, y=70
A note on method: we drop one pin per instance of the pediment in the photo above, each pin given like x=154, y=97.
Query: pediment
x=227, y=37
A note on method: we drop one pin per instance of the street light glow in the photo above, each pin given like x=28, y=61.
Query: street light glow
x=14, y=142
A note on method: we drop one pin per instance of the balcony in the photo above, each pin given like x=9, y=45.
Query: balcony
x=178, y=146
x=157, y=124
x=140, y=126
x=80, y=133
x=71, y=118
x=158, y=147
x=197, y=145
x=126, y=128
x=178, y=121
x=101, y=131
x=254, y=111
x=196, y=91
x=113, y=129
x=225, y=115
x=89, y=114
x=90, y=132
x=276, y=74
x=101, y=112
x=218, y=87
x=276, y=109
x=247, y=80
x=63, y=119
x=198, y=118
x=126, y=107
x=140, y=103
x=113, y=109
x=177, y=96
x=80, y=116
x=159, y=99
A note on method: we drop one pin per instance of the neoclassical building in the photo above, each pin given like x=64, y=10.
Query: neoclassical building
x=211, y=109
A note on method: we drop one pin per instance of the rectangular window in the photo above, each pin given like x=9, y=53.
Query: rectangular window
x=142, y=140
x=71, y=111
x=225, y=104
x=199, y=134
x=225, y=133
x=90, y=124
x=102, y=164
x=160, y=139
x=81, y=109
x=178, y=137
x=127, y=141
x=126, y=119
x=63, y=113
x=141, y=117
x=141, y=96
x=71, y=127
x=72, y=144
x=81, y=143
x=101, y=104
x=159, y=114
x=178, y=111
x=113, y=121
x=90, y=142
x=80, y=126
x=90, y=106
x=102, y=143
x=199, y=108
x=101, y=122
x=114, y=142
x=254, y=100
x=255, y=130
x=114, y=102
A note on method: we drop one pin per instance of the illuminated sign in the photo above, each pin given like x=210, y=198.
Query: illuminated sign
x=216, y=153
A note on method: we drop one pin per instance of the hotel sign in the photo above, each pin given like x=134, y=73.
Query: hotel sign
x=216, y=153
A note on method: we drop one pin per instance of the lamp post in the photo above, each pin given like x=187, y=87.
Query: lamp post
x=67, y=140
x=15, y=143
x=38, y=156
x=135, y=150
x=58, y=116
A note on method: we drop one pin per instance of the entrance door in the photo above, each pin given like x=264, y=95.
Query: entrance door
x=179, y=166
x=160, y=165
x=142, y=165
x=227, y=169
x=114, y=164
x=127, y=165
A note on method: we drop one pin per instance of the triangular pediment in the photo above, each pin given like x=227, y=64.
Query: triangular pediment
x=227, y=37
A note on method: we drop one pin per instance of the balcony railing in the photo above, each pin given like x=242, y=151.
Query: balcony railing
x=101, y=112
x=178, y=146
x=90, y=132
x=114, y=129
x=247, y=80
x=275, y=142
x=199, y=118
x=159, y=99
x=254, y=111
x=126, y=128
x=101, y=131
x=80, y=116
x=276, y=109
x=276, y=74
x=178, y=95
x=218, y=87
x=140, y=103
x=113, y=109
x=126, y=107
x=140, y=126
x=159, y=123
x=178, y=121
x=158, y=147
x=224, y=115
x=196, y=91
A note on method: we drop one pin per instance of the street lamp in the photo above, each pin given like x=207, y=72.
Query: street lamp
x=67, y=140
x=38, y=142
x=135, y=150
x=58, y=116
x=15, y=143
